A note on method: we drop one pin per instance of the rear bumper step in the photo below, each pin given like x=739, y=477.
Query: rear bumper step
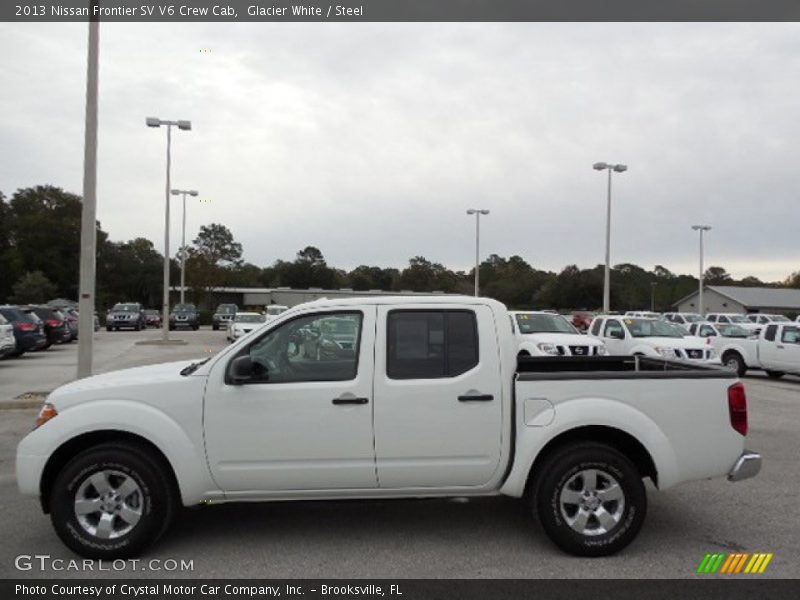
x=748, y=465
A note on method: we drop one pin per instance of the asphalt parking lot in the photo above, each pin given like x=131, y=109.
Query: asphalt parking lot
x=491, y=538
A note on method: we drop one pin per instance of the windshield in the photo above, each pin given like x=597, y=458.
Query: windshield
x=250, y=318
x=184, y=307
x=733, y=331
x=692, y=318
x=126, y=308
x=273, y=311
x=226, y=309
x=780, y=319
x=543, y=323
x=152, y=312
x=651, y=328
x=737, y=319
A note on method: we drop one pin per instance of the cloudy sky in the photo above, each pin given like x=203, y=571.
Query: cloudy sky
x=370, y=140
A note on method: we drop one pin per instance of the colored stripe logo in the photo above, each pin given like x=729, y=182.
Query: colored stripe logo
x=734, y=563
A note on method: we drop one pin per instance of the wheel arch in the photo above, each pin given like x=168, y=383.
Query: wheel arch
x=74, y=446
x=616, y=438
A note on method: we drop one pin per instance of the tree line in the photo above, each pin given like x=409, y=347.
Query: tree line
x=40, y=246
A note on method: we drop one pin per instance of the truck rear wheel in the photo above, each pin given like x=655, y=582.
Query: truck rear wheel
x=590, y=499
x=111, y=501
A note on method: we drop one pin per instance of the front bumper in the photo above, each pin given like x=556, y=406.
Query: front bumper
x=748, y=465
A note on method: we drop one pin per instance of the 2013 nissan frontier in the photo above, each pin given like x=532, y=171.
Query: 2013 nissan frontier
x=424, y=397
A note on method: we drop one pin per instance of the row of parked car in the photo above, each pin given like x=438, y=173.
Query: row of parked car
x=739, y=342
x=29, y=328
x=132, y=315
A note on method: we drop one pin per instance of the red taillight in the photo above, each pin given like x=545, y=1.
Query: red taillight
x=53, y=323
x=737, y=407
x=27, y=326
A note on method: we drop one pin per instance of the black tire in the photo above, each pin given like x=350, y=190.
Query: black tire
x=775, y=374
x=734, y=362
x=108, y=328
x=563, y=468
x=157, y=500
x=215, y=327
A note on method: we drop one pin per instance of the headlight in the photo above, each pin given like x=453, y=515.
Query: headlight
x=665, y=352
x=602, y=350
x=548, y=349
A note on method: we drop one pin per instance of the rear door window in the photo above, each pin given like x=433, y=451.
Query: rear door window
x=431, y=344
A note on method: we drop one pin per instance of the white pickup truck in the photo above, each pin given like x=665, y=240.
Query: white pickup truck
x=427, y=400
x=776, y=350
x=636, y=336
x=540, y=333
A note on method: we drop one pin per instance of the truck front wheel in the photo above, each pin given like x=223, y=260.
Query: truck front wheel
x=734, y=362
x=590, y=499
x=111, y=501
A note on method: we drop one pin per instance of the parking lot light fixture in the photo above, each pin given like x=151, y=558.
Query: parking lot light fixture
x=618, y=168
x=183, y=238
x=701, y=229
x=184, y=126
x=477, y=212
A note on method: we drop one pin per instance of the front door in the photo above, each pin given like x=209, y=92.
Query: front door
x=305, y=422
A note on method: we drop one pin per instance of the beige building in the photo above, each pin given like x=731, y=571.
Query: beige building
x=737, y=299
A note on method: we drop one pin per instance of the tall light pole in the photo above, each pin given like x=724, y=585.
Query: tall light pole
x=185, y=126
x=701, y=229
x=601, y=166
x=86, y=277
x=183, y=237
x=477, y=212
x=653, y=285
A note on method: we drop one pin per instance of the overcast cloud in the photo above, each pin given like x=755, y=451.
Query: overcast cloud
x=370, y=140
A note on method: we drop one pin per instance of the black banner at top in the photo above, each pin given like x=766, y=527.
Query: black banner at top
x=356, y=11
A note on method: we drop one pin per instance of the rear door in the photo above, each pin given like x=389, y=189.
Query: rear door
x=438, y=396
x=783, y=352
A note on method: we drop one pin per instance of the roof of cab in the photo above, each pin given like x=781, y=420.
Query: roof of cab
x=401, y=300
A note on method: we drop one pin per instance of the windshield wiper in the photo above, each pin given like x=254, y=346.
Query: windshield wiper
x=194, y=366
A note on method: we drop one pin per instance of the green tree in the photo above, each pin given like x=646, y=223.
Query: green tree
x=216, y=245
x=33, y=288
x=130, y=271
x=42, y=233
x=717, y=276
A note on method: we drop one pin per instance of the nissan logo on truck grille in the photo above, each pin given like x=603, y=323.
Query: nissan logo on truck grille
x=579, y=350
x=694, y=353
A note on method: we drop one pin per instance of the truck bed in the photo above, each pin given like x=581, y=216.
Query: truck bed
x=535, y=368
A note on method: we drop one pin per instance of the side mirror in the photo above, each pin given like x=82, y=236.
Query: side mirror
x=616, y=334
x=243, y=369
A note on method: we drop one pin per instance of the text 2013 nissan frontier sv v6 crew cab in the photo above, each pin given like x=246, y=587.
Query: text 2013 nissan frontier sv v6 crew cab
x=425, y=399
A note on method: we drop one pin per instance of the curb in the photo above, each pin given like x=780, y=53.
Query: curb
x=26, y=400
x=17, y=404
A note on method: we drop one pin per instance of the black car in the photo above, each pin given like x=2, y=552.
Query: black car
x=55, y=324
x=126, y=315
x=184, y=315
x=28, y=333
x=223, y=315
